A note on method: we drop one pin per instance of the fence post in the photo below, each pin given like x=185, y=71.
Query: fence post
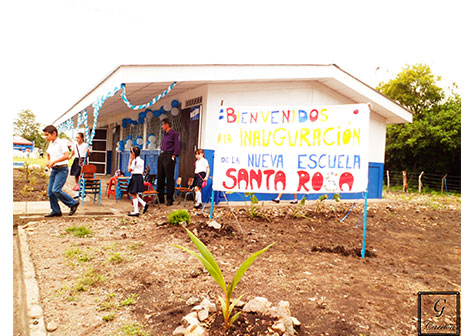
x=442, y=187
x=404, y=181
x=420, y=182
x=387, y=177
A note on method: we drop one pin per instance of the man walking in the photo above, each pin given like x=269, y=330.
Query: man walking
x=57, y=160
x=169, y=150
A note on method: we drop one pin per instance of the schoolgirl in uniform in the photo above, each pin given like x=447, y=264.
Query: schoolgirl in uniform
x=136, y=168
x=201, y=176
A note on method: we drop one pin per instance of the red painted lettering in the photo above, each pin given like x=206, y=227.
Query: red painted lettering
x=231, y=115
x=229, y=173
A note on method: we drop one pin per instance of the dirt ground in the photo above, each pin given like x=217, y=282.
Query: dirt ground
x=30, y=187
x=128, y=273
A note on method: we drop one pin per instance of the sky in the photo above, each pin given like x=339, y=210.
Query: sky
x=57, y=50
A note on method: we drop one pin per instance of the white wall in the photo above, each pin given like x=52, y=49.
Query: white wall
x=282, y=93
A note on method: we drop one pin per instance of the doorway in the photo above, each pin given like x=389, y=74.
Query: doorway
x=188, y=127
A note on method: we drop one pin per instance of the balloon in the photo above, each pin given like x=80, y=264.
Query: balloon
x=139, y=140
x=163, y=116
x=142, y=115
x=175, y=111
x=175, y=103
x=141, y=120
x=156, y=113
x=167, y=106
x=152, y=138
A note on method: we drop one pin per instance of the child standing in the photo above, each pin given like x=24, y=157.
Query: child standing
x=79, y=152
x=57, y=160
x=136, y=167
x=201, y=175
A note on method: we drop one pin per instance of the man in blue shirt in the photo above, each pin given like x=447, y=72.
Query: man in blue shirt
x=169, y=150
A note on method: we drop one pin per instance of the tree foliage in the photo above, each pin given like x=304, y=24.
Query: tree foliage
x=26, y=126
x=432, y=142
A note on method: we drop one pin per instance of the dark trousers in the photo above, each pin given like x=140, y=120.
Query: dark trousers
x=166, y=169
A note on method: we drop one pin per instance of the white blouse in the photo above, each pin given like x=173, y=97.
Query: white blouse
x=137, y=166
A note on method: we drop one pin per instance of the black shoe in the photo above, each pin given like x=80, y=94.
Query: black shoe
x=145, y=208
x=276, y=200
x=197, y=206
x=134, y=214
x=74, y=208
x=169, y=203
x=54, y=214
x=294, y=202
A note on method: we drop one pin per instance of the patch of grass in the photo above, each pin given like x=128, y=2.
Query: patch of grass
x=116, y=258
x=108, y=317
x=135, y=246
x=80, y=232
x=129, y=301
x=178, y=216
x=77, y=254
x=108, y=304
x=133, y=329
x=88, y=279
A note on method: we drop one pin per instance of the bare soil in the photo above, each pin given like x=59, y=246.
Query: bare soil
x=128, y=270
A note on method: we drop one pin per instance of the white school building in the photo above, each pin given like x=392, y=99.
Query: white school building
x=194, y=96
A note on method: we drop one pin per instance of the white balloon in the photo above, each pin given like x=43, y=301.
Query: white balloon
x=167, y=106
x=152, y=146
x=139, y=141
x=175, y=111
x=152, y=138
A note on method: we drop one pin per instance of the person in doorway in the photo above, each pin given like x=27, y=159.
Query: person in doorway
x=136, y=167
x=169, y=150
x=80, y=150
x=201, y=176
x=277, y=199
x=57, y=160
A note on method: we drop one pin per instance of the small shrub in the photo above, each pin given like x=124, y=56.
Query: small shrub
x=178, y=216
x=81, y=231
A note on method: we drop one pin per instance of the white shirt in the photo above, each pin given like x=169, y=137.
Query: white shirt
x=56, y=150
x=82, y=149
x=201, y=165
x=137, y=166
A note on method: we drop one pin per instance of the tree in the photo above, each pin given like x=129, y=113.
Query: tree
x=432, y=142
x=26, y=126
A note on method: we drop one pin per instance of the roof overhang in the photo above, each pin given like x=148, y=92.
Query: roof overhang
x=143, y=82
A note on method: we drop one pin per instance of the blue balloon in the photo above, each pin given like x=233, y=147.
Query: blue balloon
x=162, y=109
x=175, y=103
x=134, y=122
x=141, y=120
x=156, y=113
x=142, y=115
x=147, y=111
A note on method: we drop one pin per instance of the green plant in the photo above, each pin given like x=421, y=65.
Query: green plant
x=208, y=261
x=78, y=254
x=108, y=317
x=129, y=301
x=81, y=231
x=108, y=303
x=336, y=197
x=116, y=258
x=299, y=211
x=133, y=329
x=178, y=216
x=89, y=278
